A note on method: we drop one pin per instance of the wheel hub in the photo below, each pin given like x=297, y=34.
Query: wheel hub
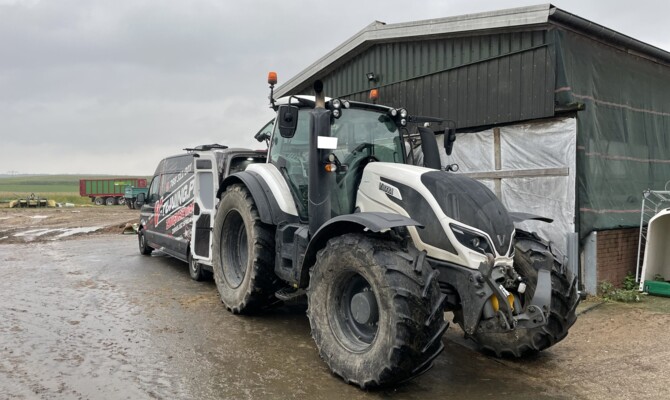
x=364, y=307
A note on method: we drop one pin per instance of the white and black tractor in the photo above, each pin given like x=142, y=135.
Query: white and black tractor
x=381, y=248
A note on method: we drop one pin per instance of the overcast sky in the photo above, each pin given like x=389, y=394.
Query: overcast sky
x=111, y=87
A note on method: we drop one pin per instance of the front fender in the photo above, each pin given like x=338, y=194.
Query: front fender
x=349, y=223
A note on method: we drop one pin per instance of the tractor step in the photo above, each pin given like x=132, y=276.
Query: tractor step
x=289, y=293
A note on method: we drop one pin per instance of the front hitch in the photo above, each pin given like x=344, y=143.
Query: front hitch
x=476, y=287
x=537, y=310
x=505, y=315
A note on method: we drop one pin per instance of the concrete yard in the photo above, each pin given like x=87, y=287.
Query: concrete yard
x=87, y=316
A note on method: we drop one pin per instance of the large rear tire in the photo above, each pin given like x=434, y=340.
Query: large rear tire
x=243, y=254
x=376, y=312
x=564, y=300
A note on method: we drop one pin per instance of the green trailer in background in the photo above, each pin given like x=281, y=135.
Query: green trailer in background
x=109, y=191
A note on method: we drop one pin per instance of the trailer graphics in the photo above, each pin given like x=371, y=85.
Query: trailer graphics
x=174, y=197
x=179, y=205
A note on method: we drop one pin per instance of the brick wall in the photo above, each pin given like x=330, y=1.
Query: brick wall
x=616, y=254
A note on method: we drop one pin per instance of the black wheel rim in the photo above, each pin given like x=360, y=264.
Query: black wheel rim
x=234, y=249
x=356, y=312
x=141, y=242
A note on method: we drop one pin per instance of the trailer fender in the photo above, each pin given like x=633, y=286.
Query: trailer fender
x=350, y=223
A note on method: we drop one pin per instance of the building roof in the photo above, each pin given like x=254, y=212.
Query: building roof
x=538, y=15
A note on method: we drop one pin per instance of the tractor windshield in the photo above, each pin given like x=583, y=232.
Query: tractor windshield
x=363, y=136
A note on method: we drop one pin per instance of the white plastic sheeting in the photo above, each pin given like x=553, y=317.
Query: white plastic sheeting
x=531, y=146
x=473, y=152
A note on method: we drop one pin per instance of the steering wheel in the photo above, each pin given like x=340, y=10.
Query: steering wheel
x=356, y=151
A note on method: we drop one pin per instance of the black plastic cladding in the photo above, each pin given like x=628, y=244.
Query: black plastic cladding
x=419, y=210
x=470, y=202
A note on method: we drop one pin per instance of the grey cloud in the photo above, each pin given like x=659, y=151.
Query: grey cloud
x=113, y=86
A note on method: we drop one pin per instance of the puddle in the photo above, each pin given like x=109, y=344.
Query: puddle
x=60, y=232
x=74, y=231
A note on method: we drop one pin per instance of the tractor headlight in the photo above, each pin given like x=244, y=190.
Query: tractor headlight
x=471, y=240
x=403, y=113
x=403, y=122
x=337, y=113
x=346, y=104
x=337, y=104
x=393, y=112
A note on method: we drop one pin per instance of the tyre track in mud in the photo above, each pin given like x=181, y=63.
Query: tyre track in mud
x=72, y=333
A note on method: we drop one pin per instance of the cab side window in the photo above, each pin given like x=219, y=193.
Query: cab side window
x=153, y=189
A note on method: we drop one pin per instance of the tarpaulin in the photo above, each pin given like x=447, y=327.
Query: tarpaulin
x=623, y=146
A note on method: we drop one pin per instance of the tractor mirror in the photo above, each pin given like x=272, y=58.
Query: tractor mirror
x=449, y=139
x=141, y=198
x=287, y=118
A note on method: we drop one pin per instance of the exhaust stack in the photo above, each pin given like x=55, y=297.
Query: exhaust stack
x=320, y=181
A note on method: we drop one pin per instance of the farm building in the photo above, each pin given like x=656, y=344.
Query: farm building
x=558, y=115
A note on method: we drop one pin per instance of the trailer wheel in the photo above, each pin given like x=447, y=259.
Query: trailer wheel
x=195, y=269
x=121, y=200
x=376, y=312
x=99, y=201
x=145, y=249
x=110, y=201
x=243, y=254
x=564, y=301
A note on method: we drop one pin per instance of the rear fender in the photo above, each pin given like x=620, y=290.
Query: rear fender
x=350, y=223
x=269, y=210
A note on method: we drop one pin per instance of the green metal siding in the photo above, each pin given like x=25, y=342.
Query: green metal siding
x=474, y=80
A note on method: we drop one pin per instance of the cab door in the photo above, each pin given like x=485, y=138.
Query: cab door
x=206, y=182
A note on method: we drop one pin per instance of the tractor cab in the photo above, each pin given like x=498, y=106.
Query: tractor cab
x=360, y=133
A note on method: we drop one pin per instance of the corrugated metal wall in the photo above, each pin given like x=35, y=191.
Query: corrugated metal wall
x=474, y=80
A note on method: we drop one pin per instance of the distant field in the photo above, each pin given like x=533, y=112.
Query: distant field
x=58, y=197
x=40, y=183
x=61, y=188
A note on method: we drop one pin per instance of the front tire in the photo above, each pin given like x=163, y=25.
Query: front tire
x=564, y=300
x=376, y=312
x=145, y=249
x=243, y=254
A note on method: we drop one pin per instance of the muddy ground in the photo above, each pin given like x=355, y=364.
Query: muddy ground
x=21, y=225
x=86, y=316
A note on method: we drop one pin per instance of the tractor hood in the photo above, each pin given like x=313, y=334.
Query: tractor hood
x=472, y=204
